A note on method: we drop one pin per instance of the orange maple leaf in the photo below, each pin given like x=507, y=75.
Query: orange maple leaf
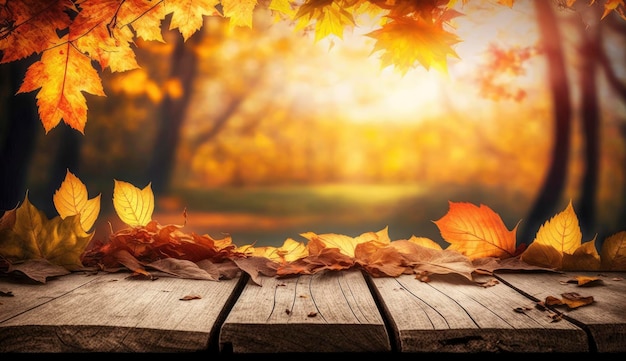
x=93, y=31
x=476, y=231
x=29, y=26
x=63, y=73
x=407, y=42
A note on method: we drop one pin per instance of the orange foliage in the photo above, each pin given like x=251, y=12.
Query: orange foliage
x=69, y=35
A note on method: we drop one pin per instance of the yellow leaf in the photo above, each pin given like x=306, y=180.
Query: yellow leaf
x=406, y=43
x=613, y=252
x=585, y=258
x=188, y=15
x=134, y=206
x=561, y=232
x=34, y=236
x=476, y=231
x=240, y=12
x=283, y=6
x=425, y=242
x=540, y=255
x=72, y=199
x=346, y=244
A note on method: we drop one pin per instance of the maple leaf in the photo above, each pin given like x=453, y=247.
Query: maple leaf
x=144, y=16
x=476, y=231
x=330, y=17
x=93, y=32
x=240, y=12
x=72, y=198
x=613, y=252
x=407, y=42
x=30, y=26
x=33, y=236
x=62, y=74
x=283, y=7
x=134, y=206
x=188, y=15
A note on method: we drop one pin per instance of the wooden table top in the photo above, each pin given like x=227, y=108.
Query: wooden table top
x=331, y=312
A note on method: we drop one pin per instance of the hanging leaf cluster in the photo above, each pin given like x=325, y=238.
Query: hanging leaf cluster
x=75, y=40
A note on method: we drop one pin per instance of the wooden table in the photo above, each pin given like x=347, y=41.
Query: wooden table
x=333, y=312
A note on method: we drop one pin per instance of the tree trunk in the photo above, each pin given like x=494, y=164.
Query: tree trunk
x=590, y=116
x=551, y=191
x=19, y=122
x=172, y=114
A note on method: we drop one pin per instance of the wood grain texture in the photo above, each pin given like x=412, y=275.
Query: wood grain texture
x=326, y=312
x=605, y=318
x=111, y=313
x=451, y=314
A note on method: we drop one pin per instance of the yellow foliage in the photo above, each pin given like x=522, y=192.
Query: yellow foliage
x=134, y=206
x=72, y=199
x=27, y=233
x=561, y=232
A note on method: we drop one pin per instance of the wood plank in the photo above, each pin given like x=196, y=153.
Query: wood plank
x=451, y=314
x=605, y=318
x=326, y=312
x=112, y=313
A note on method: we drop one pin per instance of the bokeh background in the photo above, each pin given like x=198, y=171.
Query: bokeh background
x=263, y=133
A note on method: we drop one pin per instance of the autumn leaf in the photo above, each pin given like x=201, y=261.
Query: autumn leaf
x=290, y=251
x=541, y=255
x=134, y=206
x=32, y=26
x=62, y=75
x=439, y=261
x=181, y=268
x=239, y=12
x=188, y=15
x=406, y=43
x=34, y=236
x=144, y=16
x=283, y=7
x=345, y=244
x=72, y=198
x=561, y=232
x=329, y=16
x=95, y=31
x=584, y=258
x=613, y=252
x=38, y=269
x=476, y=231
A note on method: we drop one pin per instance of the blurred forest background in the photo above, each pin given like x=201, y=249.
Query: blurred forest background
x=264, y=133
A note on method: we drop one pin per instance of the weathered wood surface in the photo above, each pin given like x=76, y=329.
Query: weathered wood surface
x=326, y=312
x=451, y=314
x=605, y=318
x=332, y=312
x=111, y=313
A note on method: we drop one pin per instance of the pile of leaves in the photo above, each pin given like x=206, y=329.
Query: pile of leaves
x=479, y=243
